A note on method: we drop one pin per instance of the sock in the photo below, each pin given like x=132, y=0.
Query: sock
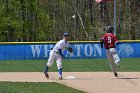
x=47, y=68
x=60, y=71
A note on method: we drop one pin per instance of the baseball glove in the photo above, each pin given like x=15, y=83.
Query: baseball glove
x=70, y=49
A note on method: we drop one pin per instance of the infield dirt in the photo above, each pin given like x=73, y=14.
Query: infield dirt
x=90, y=82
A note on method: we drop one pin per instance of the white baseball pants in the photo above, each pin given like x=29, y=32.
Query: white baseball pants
x=54, y=57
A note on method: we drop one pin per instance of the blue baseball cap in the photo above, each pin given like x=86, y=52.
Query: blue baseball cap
x=66, y=34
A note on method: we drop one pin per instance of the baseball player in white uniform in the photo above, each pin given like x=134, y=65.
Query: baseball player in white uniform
x=57, y=54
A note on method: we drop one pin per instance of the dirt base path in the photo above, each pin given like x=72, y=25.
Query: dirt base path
x=90, y=82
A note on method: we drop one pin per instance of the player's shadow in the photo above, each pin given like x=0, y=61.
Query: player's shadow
x=128, y=78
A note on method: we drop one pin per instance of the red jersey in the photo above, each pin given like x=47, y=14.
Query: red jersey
x=109, y=40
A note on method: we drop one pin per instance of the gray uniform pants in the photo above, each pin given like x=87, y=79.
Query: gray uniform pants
x=113, y=58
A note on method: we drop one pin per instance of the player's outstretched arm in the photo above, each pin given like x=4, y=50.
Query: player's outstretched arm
x=116, y=40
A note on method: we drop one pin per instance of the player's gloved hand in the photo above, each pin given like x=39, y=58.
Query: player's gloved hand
x=70, y=49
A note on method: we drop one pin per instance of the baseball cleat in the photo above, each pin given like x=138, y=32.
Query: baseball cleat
x=46, y=75
x=60, y=78
x=117, y=65
x=116, y=75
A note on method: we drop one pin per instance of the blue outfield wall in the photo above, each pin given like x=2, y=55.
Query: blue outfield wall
x=26, y=51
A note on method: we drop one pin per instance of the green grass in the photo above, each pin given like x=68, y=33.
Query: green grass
x=69, y=65
x=28, y=87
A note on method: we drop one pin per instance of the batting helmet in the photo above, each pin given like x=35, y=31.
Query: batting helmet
x=109, y=29
x=66, y=34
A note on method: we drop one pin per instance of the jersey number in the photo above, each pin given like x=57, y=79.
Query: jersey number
x=109, y=39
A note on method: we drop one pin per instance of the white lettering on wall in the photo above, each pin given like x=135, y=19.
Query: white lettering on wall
x=80, y=50
x=78, y=47
x=36, y=50
x=51, y=46
x=88, y=50
x=46, y=50
x=98, y=49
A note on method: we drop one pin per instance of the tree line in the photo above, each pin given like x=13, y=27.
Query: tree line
x=47, y=20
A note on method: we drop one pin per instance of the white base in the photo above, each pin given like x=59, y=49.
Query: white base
x=70, y=77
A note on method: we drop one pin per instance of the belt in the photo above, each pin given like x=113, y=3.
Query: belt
x=110, y=47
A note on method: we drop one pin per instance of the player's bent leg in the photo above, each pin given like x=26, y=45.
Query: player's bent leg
x=112, y=65
x=60, y=71
x=48, y=65
x=116, y=60
x=115, y=57
x=111, y=62
x=50, y=62
x=46, y=71
x=59, y=66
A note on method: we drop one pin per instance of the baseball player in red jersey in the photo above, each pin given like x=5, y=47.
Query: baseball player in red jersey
x=110, y=41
